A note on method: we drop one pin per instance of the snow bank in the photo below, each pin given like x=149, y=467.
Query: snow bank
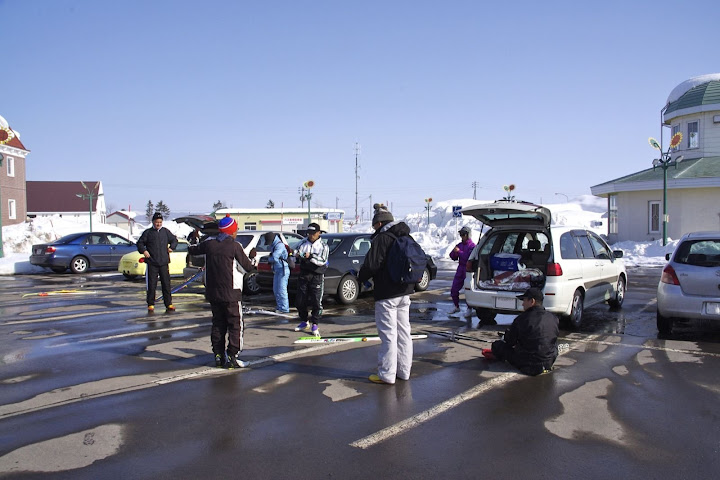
x=437, y=239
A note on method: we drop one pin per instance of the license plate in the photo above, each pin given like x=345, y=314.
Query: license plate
x=712, y=308
x=504, y=302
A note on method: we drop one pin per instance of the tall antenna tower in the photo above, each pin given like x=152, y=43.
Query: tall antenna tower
x=475, y=185
x=357, y=153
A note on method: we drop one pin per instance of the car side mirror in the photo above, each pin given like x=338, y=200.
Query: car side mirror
x=667, y=256
x=618, y=253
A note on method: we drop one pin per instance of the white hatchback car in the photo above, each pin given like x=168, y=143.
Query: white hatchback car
x=573, y=266
x=690, y=283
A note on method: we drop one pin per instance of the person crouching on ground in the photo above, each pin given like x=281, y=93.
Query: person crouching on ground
x=461, y=253
x=225, y=266
x=313, y=257
x=530, y=344
x=281, y=271
x=392, y=300
x=156, y=244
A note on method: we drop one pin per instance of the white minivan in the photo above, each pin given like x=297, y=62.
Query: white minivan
x=574, y=267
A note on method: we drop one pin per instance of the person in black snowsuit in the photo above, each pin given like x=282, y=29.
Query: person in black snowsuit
x=225, y=266
x=156, y=244
x=530, y=344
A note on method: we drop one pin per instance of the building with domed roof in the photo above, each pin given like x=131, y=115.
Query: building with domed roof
x=635, y=201
x=12, y=175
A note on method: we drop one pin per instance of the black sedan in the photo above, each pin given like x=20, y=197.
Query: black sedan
x=81, y=251
x=347, y=253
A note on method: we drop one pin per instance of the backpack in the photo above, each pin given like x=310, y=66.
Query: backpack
x=406, y=260
x=291, y=258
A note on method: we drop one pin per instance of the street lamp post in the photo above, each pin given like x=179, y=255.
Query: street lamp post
x=665, y=161
x=566, y=197
x=307, y=186
x=89, y=196
x=427, y=207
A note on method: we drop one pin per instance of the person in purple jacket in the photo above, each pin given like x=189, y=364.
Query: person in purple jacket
x=460, y=253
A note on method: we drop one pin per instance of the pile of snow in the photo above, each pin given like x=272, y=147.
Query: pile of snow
x=19, y=239
x=437, y=238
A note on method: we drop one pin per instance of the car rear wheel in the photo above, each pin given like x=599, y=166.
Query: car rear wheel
x=348, y=290
x=79, y=264
x=424, y=282
x=619, y=294
x=576, y=312
x=252, y=287
x=664, y=324
x=58, y=269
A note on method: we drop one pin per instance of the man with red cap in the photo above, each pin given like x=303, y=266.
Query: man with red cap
x=225, y=265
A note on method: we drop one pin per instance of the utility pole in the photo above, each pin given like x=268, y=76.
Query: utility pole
x=475, y=186
x=301, y=191
x=357, y=152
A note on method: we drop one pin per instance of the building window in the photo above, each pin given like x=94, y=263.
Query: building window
x=250, y=226
x=675, y=129
x=654, y=217
x=12, y=212
x=693, y=135
x=10, y=167
x=612, y=214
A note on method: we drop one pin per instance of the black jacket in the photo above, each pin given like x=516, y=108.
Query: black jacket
x=225, y=264
x=156, y=242
x=374, y=264
x=533, y=335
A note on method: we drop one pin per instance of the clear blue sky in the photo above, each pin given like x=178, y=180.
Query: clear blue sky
x=242, y=101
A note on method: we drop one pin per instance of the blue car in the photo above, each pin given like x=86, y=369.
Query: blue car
x=81, y=251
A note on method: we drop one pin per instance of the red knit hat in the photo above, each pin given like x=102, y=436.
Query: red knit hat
x=228, y=225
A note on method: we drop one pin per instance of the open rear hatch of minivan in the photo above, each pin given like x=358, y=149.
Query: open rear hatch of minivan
x=515, y=251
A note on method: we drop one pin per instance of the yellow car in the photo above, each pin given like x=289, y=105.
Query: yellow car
x=132, y=265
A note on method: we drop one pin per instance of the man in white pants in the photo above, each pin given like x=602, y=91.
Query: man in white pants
x=392, y=301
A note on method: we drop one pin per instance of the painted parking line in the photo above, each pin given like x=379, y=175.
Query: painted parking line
x=422, y=417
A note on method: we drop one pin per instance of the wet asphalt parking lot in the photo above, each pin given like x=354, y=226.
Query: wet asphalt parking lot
x=91, y=386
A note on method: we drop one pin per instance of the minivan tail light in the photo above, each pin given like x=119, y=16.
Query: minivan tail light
x=553, y=270
x=669, y=276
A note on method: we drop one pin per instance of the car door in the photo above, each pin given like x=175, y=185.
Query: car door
x=119, y=246
x=592, y=268
x=97, y=248
x=604, y=260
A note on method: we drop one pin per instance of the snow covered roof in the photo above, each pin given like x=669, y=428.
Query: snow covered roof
x=691, y=83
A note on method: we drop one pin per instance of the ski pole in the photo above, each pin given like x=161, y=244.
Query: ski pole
x=184, y=284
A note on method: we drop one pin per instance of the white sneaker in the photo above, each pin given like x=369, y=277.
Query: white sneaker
x=468, y=313
x=454, y=310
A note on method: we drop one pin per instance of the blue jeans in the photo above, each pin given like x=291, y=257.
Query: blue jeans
x=280, y=283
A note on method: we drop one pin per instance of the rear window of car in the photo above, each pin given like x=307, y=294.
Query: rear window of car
x=332, y=243
x=703, y=253
x=244, y=240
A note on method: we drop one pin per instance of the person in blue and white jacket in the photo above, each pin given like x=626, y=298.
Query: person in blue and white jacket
x=278, y=260
x=313, y=255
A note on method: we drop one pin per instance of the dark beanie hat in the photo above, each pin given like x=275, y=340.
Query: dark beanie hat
x=382, y=214
x=157, y=216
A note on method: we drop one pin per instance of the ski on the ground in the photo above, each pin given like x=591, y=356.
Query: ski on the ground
x=260, y=311
x=60, y=292
x=368, y=338
x=453, y=336
x=184, y=284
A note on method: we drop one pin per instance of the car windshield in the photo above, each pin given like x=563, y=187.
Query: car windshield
x=702, y=253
